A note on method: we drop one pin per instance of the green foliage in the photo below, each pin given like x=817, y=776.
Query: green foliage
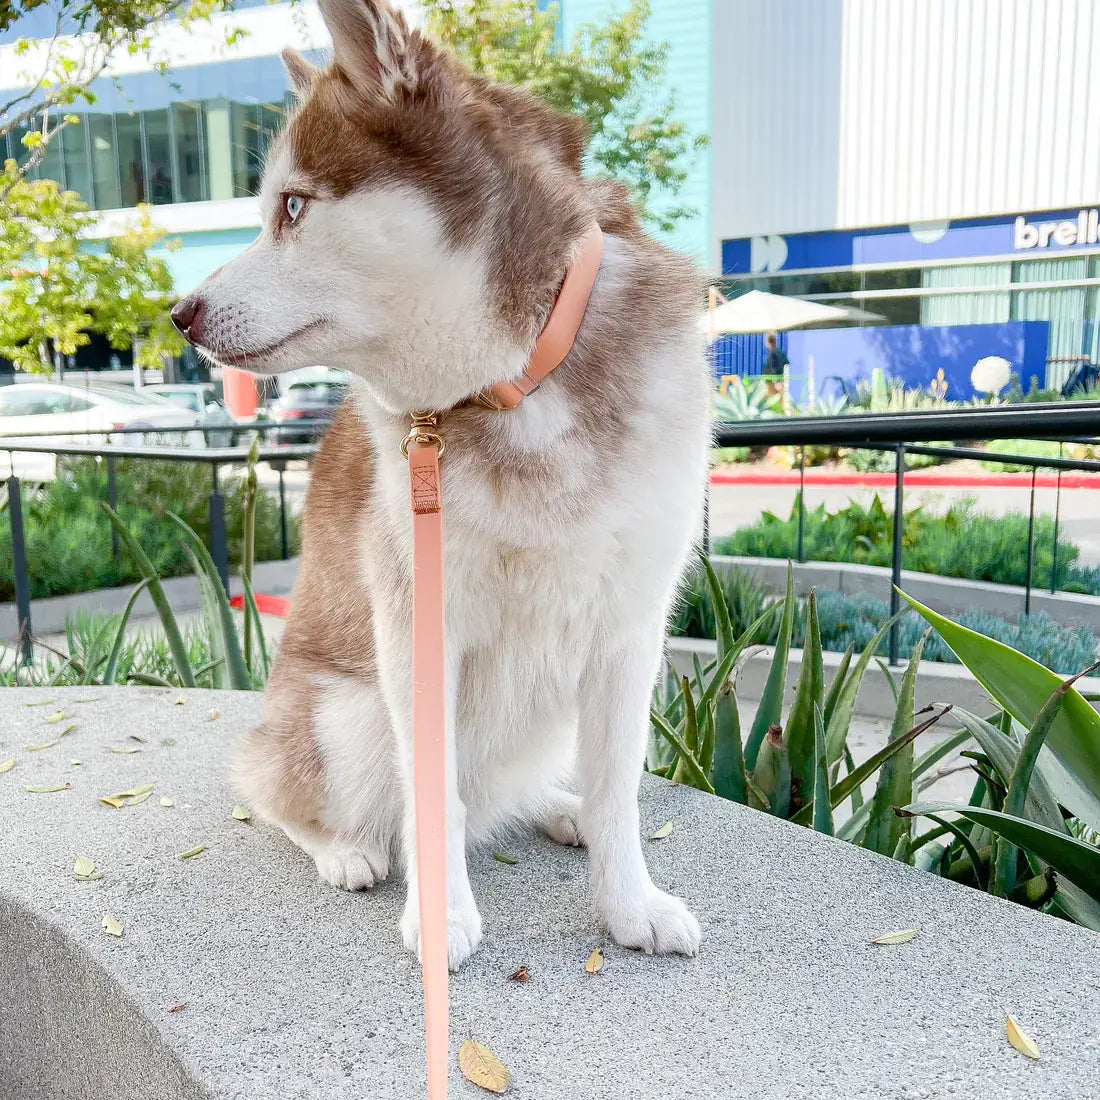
x=747, y=399
x=608, y=74
x=69, y=538
x=745, y=599
x=960, y=543
x=1029, y=830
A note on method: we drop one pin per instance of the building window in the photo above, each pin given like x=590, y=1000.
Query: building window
x=74, y=152
x=158, y=147
x=131, y=160
x=106, y=192
x=966, y=308
x=189, y=175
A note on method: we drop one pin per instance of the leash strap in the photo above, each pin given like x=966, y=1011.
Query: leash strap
x=423, y=446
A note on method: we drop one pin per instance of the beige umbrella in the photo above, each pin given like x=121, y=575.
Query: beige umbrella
x=758, y=311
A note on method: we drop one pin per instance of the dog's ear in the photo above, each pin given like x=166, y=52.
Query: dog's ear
x=371, y=45
x=300, y=71
x=533, y=123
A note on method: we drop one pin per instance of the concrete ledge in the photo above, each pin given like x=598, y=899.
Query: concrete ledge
x=947, y=595
x=293, y=990
x=936, y=681
x=48, y=616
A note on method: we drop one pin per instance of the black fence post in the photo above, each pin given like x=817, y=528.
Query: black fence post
x=19, y=566
x=1057, y=525
x=895, y=574
x=219, y=547
x=801, y=504
x=1030, y=544
x=284, y=537
x=112, y=500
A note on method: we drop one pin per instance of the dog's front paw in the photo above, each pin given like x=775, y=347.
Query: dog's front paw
x=463, y=929
x=656, y=923
x=350, y=867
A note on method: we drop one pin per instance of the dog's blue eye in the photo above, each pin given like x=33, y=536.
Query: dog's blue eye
x=294, y=205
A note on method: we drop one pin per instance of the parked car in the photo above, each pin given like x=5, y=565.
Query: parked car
x=60, y=412
x=307, y=399
x=202, y=399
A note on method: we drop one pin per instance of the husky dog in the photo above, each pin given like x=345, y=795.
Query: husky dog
x=417, y=224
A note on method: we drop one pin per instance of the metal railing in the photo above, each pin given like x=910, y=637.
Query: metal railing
x=908, y=434
x=215, y=458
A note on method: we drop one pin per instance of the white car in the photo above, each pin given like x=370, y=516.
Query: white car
x=67, y=412
x=86, y=414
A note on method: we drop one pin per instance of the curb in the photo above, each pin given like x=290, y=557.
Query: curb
x=937, y=682
x=48, y=615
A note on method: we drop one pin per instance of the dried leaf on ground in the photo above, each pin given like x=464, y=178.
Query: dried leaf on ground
x=138, y=799
x=7, y=766
x=118, y=803
x=90, y=699
x=68, y=729
x=213, y=715
x=46, y=789
x=1023, y=1042
x=42, y=703
x=241, y=813
x=123, y=750
x=166, y=802
x=180, y=700
x=39, y=748
x=662, y=832
x=504, y=857
x=520, y=974
x=134, y=792
x=83, y=867
x=169, y=742
x=892, y=939
x=482, y=1067
x=75, y=763
x=192, y=852
x=111, y=925
x=53, y=719
x=177, y=1008
x=595, y=962
x=139, y=740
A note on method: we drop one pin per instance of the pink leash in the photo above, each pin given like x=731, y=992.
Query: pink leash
x=423, y=447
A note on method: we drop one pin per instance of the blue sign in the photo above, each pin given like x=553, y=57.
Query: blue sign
x=1005, y=235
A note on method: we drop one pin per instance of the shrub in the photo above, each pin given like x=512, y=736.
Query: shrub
x=746, y=598
x=68, y=538
x=960, y=543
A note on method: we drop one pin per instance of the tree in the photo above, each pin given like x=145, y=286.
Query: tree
x=608, y=74
x=56, y=284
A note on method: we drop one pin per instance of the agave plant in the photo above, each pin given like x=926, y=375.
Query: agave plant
x=744, y=399
x=796, y=766
x=1029, y=830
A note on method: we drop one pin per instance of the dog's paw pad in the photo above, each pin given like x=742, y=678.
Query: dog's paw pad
x=352, y=868
x=659, y=924
x=463, y=932
x=563, y=829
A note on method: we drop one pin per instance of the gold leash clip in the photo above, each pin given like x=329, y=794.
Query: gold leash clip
x=423, y=433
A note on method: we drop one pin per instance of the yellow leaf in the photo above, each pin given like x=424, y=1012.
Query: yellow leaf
x=180, y=700
x=595, y=962
x=83, y=867
x=75, y=763
x=213, y=715
x=39, y=748
x=60, y=716
x=892, y=939
x=482, y=1067
x=1021, y=1041
x=6, y=766
x=44, y=789
x=166, y=802
x=134, y=792
x=42, y=703
x=192, y=852
x=111, y=925
x=118, y=803
x=123, y=750
x=242, y=813
x=662, y=832
x=137, y=800
x=68, y=729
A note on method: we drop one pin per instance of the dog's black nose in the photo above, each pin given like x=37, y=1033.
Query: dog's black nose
x=187, y=317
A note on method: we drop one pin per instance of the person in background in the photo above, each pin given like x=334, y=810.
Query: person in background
x=776, y=358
